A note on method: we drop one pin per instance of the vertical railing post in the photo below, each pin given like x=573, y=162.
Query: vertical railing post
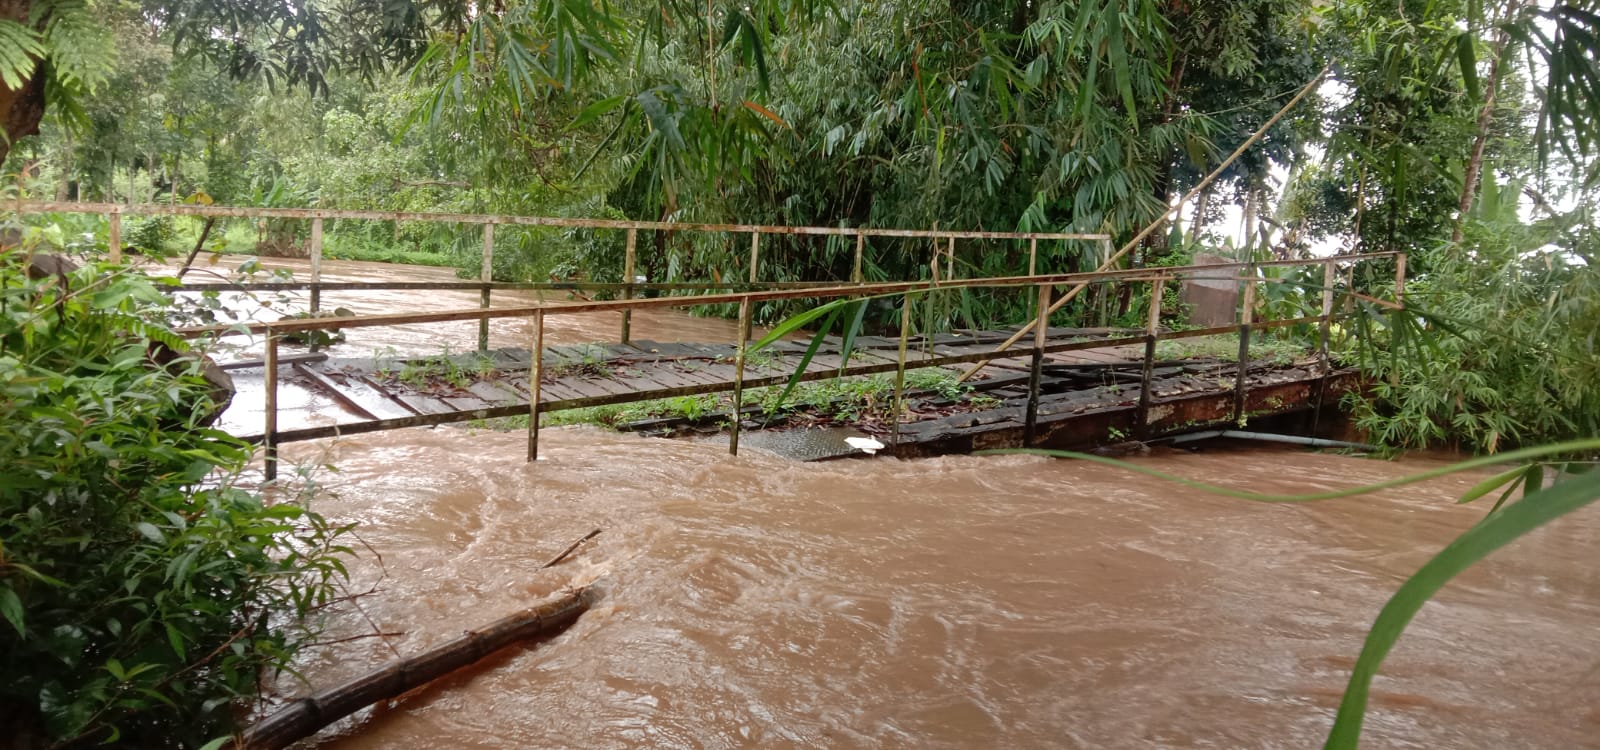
x=737, y=412
x=1324, y=322
x=1033, y=256
x=755, y=263
x=1247, y=296
x=900, y=373
x=114, y=234
x=485, y=275
x=861, y=246
x=269, y=432
x=929, y=305
x=627, y=279
x=755, y=256
x=1152, y=333
x=950, y=260
x=1400, y=278
x=535, y=379
x=1036, y=372
x=1324, y=335
x=316, y=277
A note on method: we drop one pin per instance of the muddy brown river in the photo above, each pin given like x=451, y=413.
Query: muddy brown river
x=999, y=601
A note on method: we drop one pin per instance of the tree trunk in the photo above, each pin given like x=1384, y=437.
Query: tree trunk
x=22, y=108
x=302, y=718
x=1469, y=179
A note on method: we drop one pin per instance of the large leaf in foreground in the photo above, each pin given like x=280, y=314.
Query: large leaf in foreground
x=1496, y=531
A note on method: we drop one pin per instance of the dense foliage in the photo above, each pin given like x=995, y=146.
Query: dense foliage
x=143, y=592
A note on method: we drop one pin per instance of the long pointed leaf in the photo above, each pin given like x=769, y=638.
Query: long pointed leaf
x=805, y=360
x=1496, y=531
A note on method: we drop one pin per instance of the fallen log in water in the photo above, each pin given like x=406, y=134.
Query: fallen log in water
x=305, y=716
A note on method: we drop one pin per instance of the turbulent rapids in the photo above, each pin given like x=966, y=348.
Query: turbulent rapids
x=954, y=602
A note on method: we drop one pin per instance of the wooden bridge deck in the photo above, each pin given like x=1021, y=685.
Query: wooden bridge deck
x=1085, y=372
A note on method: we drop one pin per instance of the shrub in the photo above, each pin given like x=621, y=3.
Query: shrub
x=143, y=592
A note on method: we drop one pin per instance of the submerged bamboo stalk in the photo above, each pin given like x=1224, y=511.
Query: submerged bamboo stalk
x=304, y=717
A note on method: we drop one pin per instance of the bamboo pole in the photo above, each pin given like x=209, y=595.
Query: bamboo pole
x=755, y=255
x=818, y=292
x=738, y=375
x=1324, y=334
x=628, y=259
x=1147, y=374
x=486, y=275
x=155, y=209
x=114, y=234
x=304, y=717
x=269, y=432
x=1033, y=257
x=1151, y=228
x=755, y=263
x=316, y=273
x=861, y=246
x=1400, y=279
x=1246, y=316
x=1036, y=372
x=900, y=372
x=535, y=378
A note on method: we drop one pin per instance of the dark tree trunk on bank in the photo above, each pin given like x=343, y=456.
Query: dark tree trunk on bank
x=23, y=108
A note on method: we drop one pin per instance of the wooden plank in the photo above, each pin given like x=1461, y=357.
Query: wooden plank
x=590, y=387
x=550, y=390
x=326, y=385
x=373, y=398
x=465, y=402
x=424, y=404
x=293, y=359
x=494, y=393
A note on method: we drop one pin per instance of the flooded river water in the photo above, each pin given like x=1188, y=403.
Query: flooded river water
x=959, y=602
x=950, y=603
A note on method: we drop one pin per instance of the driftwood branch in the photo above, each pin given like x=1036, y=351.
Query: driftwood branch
x=304, y=717
x=205, y=231
x=570, y=550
